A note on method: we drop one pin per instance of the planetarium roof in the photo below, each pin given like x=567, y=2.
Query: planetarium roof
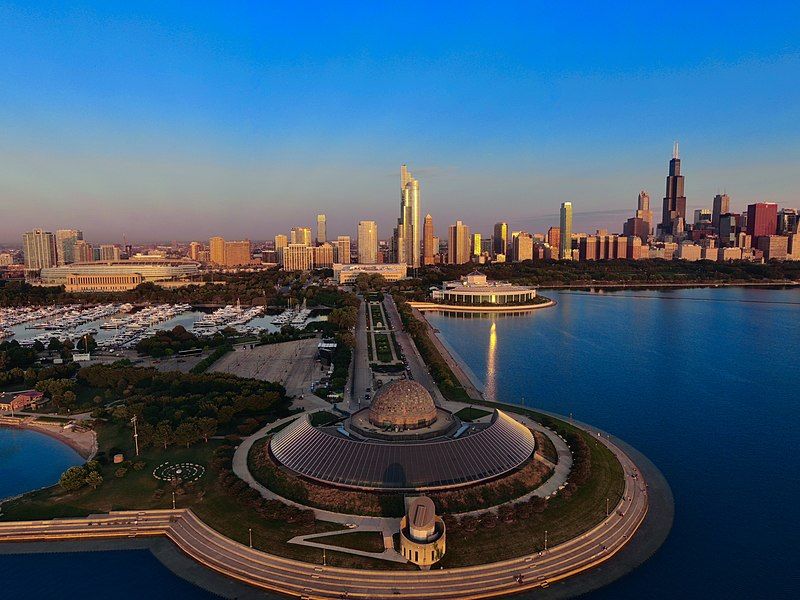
x=404, y=403
x=338, y=460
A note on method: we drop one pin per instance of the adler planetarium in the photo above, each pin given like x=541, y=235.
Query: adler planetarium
x=403, y=442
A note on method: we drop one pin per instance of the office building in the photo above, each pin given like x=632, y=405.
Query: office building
x=774, y=247
x=500, y=239
x=565, y=229
x=195, y=248
x=554, y=241
x=727, y=228
x=788, y=221
x=643, y=211
x=476, y=244
x=430, y=244
x=702, y=218
x=344, y=274
x=638, y=227
x=238, y=253
x=322, y=229
x=673, y=214
x=300, y=235
x=367, y=242
x=65, y=242
x=216, y=249
x=523, y=247
x=406, y=239
x=458, y=244
x=762, y=220
x=721, y=206
x=342, y=250
x=39, y=247
x=298, y=257
x=82, y=251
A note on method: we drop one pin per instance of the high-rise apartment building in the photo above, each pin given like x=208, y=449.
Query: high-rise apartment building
x=216, y=250
x=82, y=251
x=721, y=206
x=762, y=220
x=429, y=246
x=565, y=230
x=458, y=244
x=788, y=221
x=238, y=253
x=298, y=257
x=406, y=240
x=300, y=235
x=367, y=242
x=65, y=241
x=323, y=256
x=322, y=229
x=554, y=240
x=109, y=252
x=523, y=247
x=39, y=247
x=673, y=214
x=194, y=250
x=342, y=250
x=500, y=238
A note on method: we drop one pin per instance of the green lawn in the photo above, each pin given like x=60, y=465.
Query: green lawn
x=323, y=417
x=382, y=348
x=470, y=414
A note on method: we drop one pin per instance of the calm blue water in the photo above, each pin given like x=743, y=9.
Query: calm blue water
x=704, y=382
x=30, y=460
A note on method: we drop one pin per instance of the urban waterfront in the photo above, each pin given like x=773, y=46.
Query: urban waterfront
x=699, y=380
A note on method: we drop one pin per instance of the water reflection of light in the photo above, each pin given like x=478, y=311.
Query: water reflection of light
x=490, y=390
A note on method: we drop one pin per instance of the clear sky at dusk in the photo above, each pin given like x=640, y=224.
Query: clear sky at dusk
x=183, y=120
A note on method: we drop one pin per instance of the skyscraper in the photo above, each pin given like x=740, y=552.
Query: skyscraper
x=500, y=238
x=237, y=253
x=40, y=249
x=721, y=206
x=216, y=249
x=476, y=244
x=342, y=249
x=300, y=235
x=458, y=244
x=367, y=242
x=65, y=242
x=673, y=214
x=554, y=241
x=762, y=220
x=109, y=252
x=565, y=230
x=429, y=247
x=194, y=250
x=322, y=229
x=406, y=235
x=83, y=251
x=523, y=247
x=643, y=211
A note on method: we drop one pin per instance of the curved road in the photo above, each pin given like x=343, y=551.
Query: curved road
x=306, y=580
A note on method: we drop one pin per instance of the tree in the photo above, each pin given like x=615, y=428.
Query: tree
x=55, y=345
x=94, y=479
x=187, y=432
x=163, y=434
x=86, y=343
x=207, y=427
x=38, y=346
x=73, y=479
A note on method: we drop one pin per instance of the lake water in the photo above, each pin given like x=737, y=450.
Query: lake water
x=30, y=460
x=704, y=382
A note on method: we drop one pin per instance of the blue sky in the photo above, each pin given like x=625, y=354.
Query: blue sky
x=163, y=121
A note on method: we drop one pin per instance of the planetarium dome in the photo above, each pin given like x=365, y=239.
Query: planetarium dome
x=402, y=404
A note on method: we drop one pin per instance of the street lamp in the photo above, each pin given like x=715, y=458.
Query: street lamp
x=135, y=435
x=545, y=540
x=173, y=500
x=250, y=532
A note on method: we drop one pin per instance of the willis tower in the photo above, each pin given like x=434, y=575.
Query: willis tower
x=673, y=216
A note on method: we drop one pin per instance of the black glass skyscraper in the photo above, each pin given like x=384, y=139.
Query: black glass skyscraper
x=673, y=216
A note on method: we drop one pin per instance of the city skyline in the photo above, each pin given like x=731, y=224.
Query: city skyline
x=223, y=132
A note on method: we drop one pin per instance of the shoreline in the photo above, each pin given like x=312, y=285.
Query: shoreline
x=662, y=285
x=85, y=453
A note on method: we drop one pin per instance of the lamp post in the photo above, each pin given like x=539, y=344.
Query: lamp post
x=545, y=540
x=173, y=500
x=135, y=435
x=250, y=532
x=606, y=506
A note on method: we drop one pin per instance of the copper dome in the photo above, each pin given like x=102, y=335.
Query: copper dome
x=402, y=404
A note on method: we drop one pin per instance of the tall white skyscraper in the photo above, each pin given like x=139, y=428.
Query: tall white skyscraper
x=458, y=244
x=565, y=250
x=407, y=234
x=367, y=242
x=40, y=249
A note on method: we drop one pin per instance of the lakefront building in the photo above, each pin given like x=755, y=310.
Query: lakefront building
x=474, y=289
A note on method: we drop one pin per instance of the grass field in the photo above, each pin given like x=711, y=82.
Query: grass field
x=545, y=447
x=382, y=348
x=323, y=417
x=368, y=541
